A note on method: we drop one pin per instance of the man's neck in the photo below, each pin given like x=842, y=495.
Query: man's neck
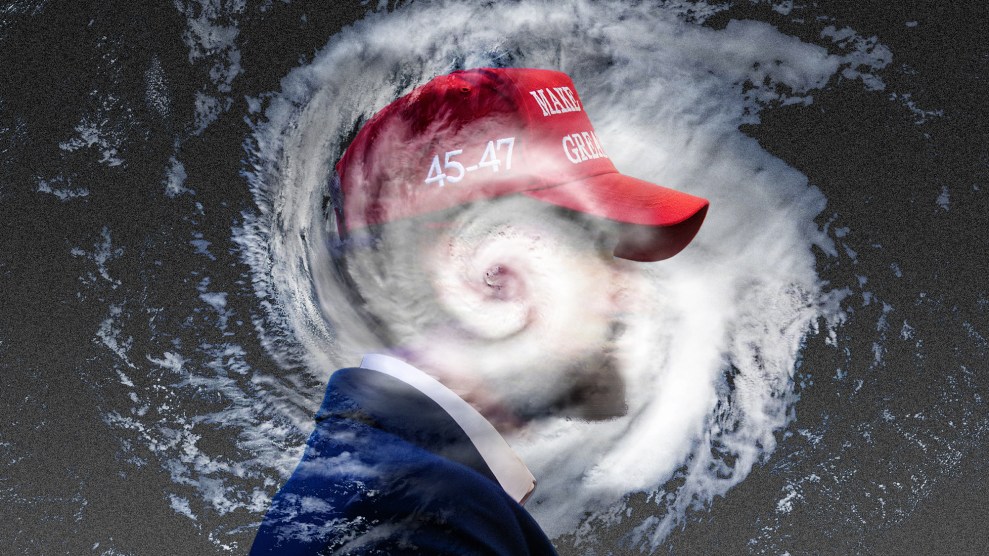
x=511, y=473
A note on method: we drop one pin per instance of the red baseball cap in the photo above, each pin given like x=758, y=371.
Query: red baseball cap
x=487, y=132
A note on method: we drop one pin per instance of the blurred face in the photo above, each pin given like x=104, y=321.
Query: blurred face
x=530, y=302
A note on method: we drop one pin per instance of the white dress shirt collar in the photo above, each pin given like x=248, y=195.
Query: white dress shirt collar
x=507, y=467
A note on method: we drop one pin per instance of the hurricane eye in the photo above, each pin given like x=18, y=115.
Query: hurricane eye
x=495, y=276
x=501, y=282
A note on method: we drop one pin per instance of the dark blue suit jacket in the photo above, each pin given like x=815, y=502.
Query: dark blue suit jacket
x=388, y=471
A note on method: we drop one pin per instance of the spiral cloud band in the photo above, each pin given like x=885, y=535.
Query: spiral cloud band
x=711, y=338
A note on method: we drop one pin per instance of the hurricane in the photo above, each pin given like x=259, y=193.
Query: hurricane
x=710, y=339
x=803, y=378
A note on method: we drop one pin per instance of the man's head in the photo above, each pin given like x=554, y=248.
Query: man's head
x=492, y=217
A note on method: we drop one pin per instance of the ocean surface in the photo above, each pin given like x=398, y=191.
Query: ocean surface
x=808, y=377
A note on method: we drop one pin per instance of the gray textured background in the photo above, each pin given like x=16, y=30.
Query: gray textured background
x=897, y=448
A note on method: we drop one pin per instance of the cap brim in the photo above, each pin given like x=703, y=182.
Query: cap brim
x=656, y=222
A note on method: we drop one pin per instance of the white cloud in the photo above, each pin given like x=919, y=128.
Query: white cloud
x=666, y=98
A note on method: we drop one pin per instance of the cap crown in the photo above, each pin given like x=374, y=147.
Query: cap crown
x=472, y=134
